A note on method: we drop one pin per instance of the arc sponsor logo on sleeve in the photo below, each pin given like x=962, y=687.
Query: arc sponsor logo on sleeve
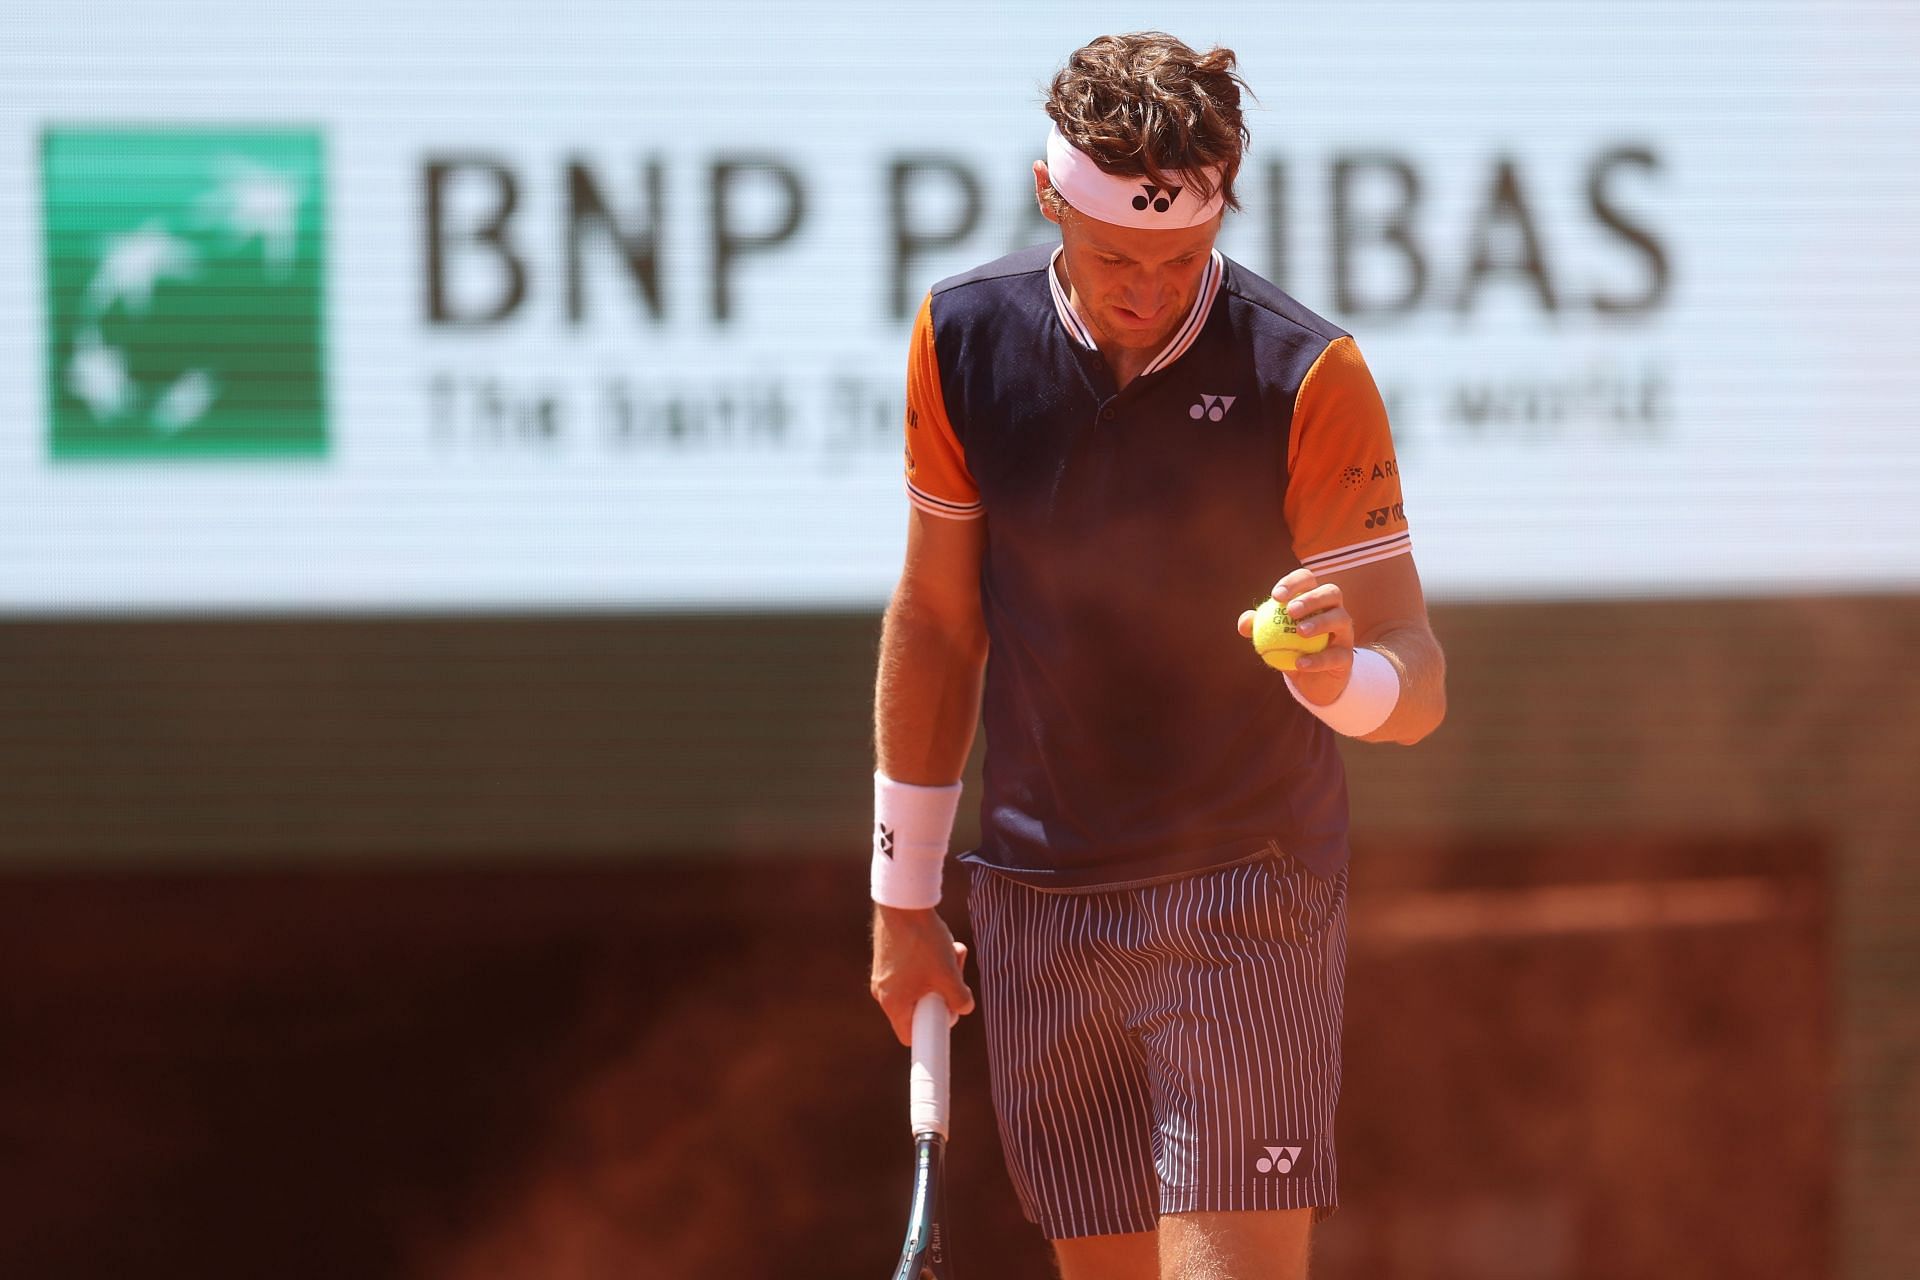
x=1356, y=476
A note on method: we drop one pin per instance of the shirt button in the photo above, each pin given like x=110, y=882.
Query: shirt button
x=1106, y=415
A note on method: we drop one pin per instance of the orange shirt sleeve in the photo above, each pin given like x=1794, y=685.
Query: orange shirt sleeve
x=1343, y=499
x=938, y=481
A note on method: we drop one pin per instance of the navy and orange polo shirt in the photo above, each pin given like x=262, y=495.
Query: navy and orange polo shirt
x=1131, y=733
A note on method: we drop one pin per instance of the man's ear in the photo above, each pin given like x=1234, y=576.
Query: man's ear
x=1042, y=184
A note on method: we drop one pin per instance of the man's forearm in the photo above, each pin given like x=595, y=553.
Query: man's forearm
x=1422, y=705
x=926, y=703
x=927, y=695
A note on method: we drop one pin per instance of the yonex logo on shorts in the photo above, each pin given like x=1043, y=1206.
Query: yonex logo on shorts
x=1212, y=408
x=1160, y=203
x=1278, y=1159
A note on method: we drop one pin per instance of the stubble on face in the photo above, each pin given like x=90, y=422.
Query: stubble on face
x=1116, y=271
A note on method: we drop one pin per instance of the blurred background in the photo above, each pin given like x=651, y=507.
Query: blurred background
x=449, y=482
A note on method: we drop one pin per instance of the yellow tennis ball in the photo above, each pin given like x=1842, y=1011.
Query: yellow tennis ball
x=1277, y=638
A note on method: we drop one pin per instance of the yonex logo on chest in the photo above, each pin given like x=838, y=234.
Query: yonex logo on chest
x=1212, y=408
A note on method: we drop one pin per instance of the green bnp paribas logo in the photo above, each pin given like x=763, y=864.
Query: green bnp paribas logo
x=185, y=279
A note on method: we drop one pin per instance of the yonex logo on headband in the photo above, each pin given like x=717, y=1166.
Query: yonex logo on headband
x=1153, y=197
x=1125, y=200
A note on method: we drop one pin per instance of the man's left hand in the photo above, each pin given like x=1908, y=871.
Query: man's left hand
x=1318, y=609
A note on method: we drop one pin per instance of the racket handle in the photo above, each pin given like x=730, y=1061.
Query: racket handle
x=927, y=1079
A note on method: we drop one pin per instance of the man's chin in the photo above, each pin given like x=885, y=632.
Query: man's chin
x=1130, y=338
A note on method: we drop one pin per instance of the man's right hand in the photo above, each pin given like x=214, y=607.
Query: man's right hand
x=913, y=953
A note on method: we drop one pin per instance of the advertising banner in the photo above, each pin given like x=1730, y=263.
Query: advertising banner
x=435, y=308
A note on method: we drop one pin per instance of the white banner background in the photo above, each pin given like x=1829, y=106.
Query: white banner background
x=1781, y=455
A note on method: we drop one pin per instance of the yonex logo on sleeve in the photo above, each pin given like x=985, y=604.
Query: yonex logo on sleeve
x=1278, y=1159
x=1160, y=203
x=1212, y=408
x=883, y=838
x=1381, y=516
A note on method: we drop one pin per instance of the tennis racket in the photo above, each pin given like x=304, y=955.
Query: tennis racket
x=926, y=1255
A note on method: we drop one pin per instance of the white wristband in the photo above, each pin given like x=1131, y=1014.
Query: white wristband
x=911, y=826
x=1369, y=698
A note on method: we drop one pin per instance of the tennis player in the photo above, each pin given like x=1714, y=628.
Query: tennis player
x=1115, y=447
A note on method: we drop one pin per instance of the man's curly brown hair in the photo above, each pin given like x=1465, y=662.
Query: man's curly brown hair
x=1144, y=105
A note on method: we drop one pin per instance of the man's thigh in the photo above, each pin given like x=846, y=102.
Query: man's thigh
x=1134, y=1255
x=1267, y=1244
x=1262, y=1244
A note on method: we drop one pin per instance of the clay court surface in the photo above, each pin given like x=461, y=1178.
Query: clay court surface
x=1586, y=1062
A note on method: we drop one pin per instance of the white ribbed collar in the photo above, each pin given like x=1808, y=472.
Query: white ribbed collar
x=1183, y=337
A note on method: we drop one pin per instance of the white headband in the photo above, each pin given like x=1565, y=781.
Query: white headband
x=1126, y=202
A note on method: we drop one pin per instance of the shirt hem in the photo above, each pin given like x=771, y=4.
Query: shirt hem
x=1103, y=880
x=1326, y=864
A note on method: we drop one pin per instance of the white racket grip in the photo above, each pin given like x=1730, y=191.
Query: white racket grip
x=927, y=1079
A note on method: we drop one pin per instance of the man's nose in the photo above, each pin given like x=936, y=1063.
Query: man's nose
x=1146, y=295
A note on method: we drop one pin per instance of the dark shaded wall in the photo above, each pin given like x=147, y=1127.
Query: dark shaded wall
x=281, y=746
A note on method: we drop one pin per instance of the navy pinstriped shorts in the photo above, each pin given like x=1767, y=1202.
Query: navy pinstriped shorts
x=1166, y=1048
